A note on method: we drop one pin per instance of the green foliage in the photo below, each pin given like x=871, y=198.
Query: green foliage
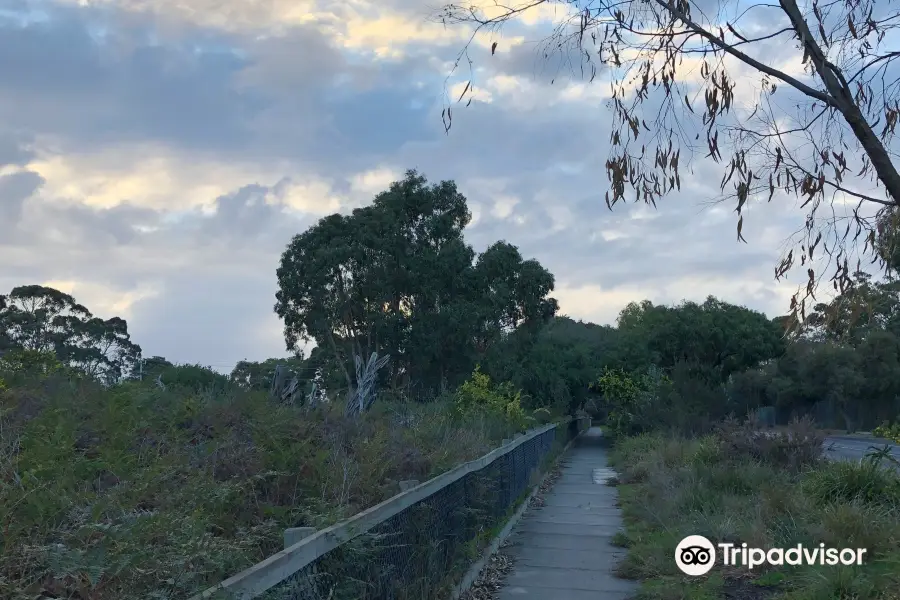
x=713, y=340
x=555, y=365
x=671, y=487
x=888, y=239
x=864, y=481
x=637, y=402
x=624, y=401
x=399, y=272
x=102, y=489
x=858, y=385
x=259, y=375
x=865, y=306
x=38, y=318
x=889, y=431
x=541, y=416
x=197, y=378
x=23, y=363
x=151, y=368
x=478, y=396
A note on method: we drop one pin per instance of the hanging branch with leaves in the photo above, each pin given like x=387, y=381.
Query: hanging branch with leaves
x=673, y=71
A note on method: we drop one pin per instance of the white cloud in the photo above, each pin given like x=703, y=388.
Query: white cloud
x=104, y=301
x=315, y=198
x=375, y=180
x=504, y=206
x=149, y=175
x=179, y=227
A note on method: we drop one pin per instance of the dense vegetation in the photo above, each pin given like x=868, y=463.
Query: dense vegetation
x=734, y=485
x=130, y=475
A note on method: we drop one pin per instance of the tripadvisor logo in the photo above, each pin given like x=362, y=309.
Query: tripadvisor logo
x=695, y=555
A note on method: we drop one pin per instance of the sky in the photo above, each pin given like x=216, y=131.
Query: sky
x=156, y=156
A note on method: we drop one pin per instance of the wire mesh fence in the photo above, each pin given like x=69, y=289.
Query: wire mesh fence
x=423, y=550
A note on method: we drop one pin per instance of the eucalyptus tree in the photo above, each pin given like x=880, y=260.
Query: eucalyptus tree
x=397, y=278
x=36, y=317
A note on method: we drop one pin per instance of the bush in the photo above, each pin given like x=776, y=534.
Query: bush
x=865, y=481
x=888, y=431
x=653, y=401
x=159, y=493
x=196, y=378
x=731, y=487
x=21, y=364
x=542, y=416
x=799, y=446
x=623, y=397
x=479, y=397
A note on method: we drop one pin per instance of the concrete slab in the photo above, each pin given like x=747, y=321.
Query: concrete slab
x=558, y=541
x=610, y=520
x=538, y=528
x=581, y=500
x=567, y=579
x=530, y=556
x=562, y=550
x=551, y=594
x=578, y=510
x=583, y=490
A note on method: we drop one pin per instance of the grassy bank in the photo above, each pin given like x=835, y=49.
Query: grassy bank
x=736, y=487
x=134, y=491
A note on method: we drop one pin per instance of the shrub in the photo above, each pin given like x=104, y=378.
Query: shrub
x=843, y=481
x=479, y=396
x=638, y=403
x=20, y=364
x=730, y=487
x=542, y=416
x=887, y=430
x=625, y=400
x=191, y=485
x=799, y=446
x=195, y=378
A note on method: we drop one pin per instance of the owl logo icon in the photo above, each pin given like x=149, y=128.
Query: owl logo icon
x=695, y=555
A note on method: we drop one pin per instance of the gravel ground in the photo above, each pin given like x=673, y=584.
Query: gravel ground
x=490, y=580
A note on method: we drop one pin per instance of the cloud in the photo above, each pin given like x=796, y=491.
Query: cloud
x=120, y=85
x=15, y=188
x=166, y=152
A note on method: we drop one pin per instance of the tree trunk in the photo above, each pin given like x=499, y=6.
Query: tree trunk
x=340, y=361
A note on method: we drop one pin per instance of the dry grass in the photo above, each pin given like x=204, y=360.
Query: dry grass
x=141, y=493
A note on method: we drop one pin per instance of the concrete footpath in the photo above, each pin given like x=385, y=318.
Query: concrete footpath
x=562, y=550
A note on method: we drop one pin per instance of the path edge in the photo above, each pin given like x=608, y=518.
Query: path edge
x=475, y=570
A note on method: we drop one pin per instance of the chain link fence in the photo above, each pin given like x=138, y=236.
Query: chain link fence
x=423, y=550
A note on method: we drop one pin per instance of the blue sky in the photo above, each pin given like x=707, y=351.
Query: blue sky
x=157, y=155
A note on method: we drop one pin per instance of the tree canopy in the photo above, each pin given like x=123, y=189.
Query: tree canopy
x=398, y=277
x=39, y=318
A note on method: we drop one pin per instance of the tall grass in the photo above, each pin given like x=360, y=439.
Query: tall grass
x=734, y=487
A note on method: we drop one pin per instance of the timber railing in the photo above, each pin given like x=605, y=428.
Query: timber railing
x=415, y=545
